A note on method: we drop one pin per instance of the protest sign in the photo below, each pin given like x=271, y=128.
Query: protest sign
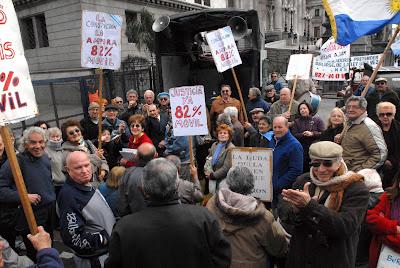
x=188, y=111
x=101, y=40
x=223, y=49
x=333, y=63
x=299, y=66
x=358, y=61
x=17, y=100
x=259, y=161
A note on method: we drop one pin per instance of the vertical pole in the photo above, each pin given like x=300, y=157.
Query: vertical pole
x=101, y=108
x=191, y=149
x=19, y=181
x=240, y=95
x=53, y=100
x=293, y=91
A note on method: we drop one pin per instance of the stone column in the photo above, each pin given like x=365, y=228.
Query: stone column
x=278, y=16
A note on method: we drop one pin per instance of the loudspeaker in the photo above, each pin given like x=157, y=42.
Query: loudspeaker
x=238, y=26
x=161, y=24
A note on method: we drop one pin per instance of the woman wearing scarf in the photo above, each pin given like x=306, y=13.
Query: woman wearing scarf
x=326, y=208
x=220, y=152
x=263, y=136
x=54, y=151
x=72, y=135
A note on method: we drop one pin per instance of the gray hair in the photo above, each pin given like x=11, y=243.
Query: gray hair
x=174, y=160
x=160, y=179
x=53, y=130
x=231, y=111
x=362, y=102
x=149, y=91
x=224, y=119
x=27, y=133
x=255, y=91
x=240, y=180
x=130, y=92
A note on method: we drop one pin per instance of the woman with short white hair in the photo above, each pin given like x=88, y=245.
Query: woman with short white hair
x=238, y=130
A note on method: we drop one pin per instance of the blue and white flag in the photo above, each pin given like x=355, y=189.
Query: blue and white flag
x=351, y=20
x=396, y=47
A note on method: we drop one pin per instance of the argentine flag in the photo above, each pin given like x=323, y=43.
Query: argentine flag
x=352, y=19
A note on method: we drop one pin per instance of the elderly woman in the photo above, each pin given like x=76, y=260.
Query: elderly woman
x=137, y=125
x=386, y=112
x=238, y=130
x=335, y=126
x=326, y=208
x=221, y=154
x=246, y=223
x=263, y=136
x=383, y=221
x=72, y=135
x=55, y=152
x=307, y=129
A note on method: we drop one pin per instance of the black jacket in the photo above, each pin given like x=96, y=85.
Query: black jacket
x=330, y=133
x=321, y=236
x=373, y=99
x=169, y=234
x=90, y=129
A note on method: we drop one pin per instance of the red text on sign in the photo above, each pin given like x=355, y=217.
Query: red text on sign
x=3, y=17
x=13, y=100
x=6, y=51
x=101, y=51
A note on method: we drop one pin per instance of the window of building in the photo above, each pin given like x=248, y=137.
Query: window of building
x=316, y=12
x=207, y=3
x=317, y=32
x=197, y=1
x=34, y=32
x=130, y=17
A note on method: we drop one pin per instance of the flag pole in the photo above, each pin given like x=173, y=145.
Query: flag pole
x=100, y=116
x=372, y=78
x=292, y=97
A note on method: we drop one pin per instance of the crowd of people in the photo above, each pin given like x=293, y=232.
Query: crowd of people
x=156, y=208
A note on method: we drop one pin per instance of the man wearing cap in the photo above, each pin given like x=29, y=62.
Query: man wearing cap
x=132, y=106
x=256, y=101
x=90, y=125
x=287, y=157
x=362, y=140
x=270, y=94
x=118, y=126
x=256, y=114
x=325, y=208
x=382, y=93
x=281, y=107
x=163, y=100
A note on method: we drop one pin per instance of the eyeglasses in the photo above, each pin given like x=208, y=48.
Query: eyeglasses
x=163, y=99
x=385, y=114
x=380, y=83
x=269, y=90
x=273, y=76
x=72, y=132
x=119, y=102
x=325, y=163
x=136, y=125
x=224, y=91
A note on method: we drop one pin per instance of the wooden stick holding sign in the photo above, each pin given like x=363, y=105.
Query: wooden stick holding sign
x=240, y=94
x=298, y=68
x=191, y=149
x=100, y=116
x=18, y=179
x=372, y=78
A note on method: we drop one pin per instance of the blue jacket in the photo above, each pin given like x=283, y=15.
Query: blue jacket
x=287, y=162
x=257, y=103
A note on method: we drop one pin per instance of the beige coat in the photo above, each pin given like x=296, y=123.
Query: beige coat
x=224, y=162
x=250, y=228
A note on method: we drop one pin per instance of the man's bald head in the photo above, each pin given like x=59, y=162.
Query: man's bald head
x=79, y=167
x=146, y=152
x=285, y=95
x=280, y=126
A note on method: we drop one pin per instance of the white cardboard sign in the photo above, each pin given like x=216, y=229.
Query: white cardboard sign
x=358, y=61
x=17, y=100
x=188, y=109
x=299, y=65
x=223, y=49
x=259, y=161
x=101, y=40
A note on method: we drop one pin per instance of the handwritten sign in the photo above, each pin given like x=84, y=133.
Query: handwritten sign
x=17, y=100
x=358, y=61
x=223, y=49
x=299, y=65
x=333, y=63
x=188, y=110
x=101, y=40
x=259, y=161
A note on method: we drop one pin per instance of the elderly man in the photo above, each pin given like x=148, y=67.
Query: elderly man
x=275, y=82
x=391, y=133
x=163, y=100
x=118, y=126
x=90, y=125
x=270, y=94
x=362, y=140
x=86, y=220
x=281, y=107
x=287, y=157
x=119, y=102
x=220, y=103
x=326, y=208
x=36, y=171
x=132, y=106
x=256, y=101
x=237, y=127
x=155, y=127
x=382, y=93
x=363, y=83
x=167, y=233
x=131, y=197
x=148, y=100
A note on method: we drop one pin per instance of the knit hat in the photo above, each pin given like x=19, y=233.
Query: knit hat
x=93, y=105
x=325, y=150
x=162, y=94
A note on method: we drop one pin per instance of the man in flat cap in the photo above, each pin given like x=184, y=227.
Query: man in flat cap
x=382, y=93
x=90, y=125
x=118, y=126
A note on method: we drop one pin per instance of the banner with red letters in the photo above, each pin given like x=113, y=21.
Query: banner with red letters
x=188, y=109
x=17, y=98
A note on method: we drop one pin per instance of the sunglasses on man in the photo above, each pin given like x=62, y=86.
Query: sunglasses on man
x=385, y=114
x=325, y=163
